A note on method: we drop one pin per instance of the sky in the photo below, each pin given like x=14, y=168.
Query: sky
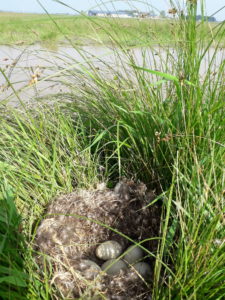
x=84, y=5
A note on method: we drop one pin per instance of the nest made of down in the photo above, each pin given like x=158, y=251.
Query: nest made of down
x=69, y=233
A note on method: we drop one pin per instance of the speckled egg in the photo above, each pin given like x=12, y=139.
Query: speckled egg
x=114, y=267
x=89, y=268
x=134, y=254
x=108, y=250
x=143, y=269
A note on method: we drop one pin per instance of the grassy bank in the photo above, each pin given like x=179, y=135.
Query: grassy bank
x=27, y=29
x=165, y=128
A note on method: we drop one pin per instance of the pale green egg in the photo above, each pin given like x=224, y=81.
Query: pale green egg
x=114, y=267
x=89, y=268
x=143, y=269
x=108, y=250
x=134, y=254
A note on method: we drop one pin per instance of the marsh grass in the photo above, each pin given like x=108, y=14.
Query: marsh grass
x=44, y=154
x=164, y=127
x=47, y=158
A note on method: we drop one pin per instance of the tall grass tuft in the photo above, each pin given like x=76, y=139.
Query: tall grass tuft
x=163, y=123
x=41, y=156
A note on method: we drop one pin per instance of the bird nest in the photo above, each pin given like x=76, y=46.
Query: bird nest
x=75, y=224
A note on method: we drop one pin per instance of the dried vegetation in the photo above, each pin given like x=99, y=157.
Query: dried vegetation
x=76, y=223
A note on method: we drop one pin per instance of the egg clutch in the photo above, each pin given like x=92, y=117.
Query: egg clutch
x=110, y=250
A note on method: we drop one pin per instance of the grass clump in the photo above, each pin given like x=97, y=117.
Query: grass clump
x=45, y=157
x=159, y=122
x=42, y=155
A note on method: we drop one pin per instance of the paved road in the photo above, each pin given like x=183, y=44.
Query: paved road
x=37, y=72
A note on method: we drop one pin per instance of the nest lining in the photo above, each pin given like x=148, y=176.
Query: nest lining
x=71, y=231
